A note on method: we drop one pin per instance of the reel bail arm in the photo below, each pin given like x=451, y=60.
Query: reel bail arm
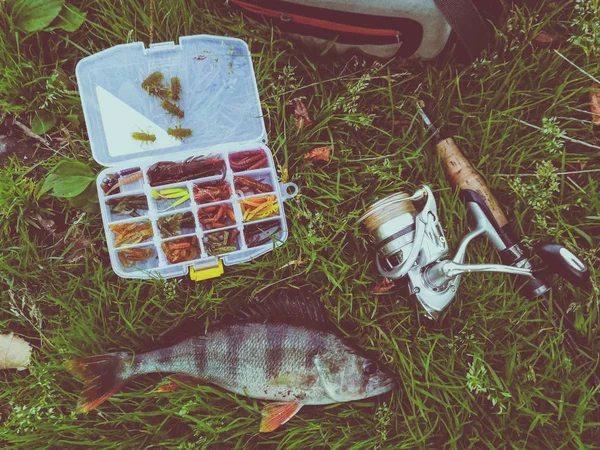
x=440, y=273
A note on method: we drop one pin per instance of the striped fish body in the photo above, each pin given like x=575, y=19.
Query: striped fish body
x=281, y=351
x=268, y=361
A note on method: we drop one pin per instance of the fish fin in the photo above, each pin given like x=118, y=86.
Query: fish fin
x=276, y=414
x=286, y=304
x=102, y=377
x=175, y=382
x=295, y=306
x=169, y=386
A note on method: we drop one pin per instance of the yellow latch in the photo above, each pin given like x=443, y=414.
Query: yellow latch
x=208, y=273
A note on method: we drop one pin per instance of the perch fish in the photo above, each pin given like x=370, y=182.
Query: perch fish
x=282, y=350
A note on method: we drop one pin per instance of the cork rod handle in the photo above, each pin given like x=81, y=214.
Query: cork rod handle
x=464, y=176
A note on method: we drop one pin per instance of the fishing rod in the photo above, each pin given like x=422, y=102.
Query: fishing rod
x=410, y=242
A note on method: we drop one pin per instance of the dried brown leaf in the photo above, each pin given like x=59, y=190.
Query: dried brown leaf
x=79, y=244
x=168, y=386
x=401, y=125
x=319, y=154
x=46, y=224
x=384, y=286
x=301, y=114
x=545, y=39
x=15, y=352
x=595, y=103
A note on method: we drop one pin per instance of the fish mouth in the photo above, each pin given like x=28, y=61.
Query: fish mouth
x=389, y=383
x=385, y=386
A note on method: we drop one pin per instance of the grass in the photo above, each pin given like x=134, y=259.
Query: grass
x=492, y=374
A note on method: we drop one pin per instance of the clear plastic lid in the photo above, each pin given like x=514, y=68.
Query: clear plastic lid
x=219, y=98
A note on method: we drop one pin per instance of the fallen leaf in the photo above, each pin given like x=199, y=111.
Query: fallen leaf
x=79, y=244
x=401, y=125
x=595, y=103
x=15, y=352
x=545, y=39
x=301, y=114
x=46, y=224
x=319, y=154
x=169, y=386
x=384, y=286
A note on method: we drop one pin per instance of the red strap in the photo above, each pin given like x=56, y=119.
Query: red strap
x=310, y=21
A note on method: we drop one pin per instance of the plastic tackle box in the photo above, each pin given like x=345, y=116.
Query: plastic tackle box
x=221, y=106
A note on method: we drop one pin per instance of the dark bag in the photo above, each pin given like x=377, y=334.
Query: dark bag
x=381, y=28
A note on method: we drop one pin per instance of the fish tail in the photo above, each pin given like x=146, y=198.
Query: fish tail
x=103, y=376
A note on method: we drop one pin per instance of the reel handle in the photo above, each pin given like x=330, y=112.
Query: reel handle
x=562, y=262
x=464, y=176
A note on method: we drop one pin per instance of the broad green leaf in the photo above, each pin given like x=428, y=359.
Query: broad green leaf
x=87, y=200
x=69, y=167
x=42, y=122
x=49, y=183
x=71, y=186
x=35, y=15
x=68, y=179
x=69, y=19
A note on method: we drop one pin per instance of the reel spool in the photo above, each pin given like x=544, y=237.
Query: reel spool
x=391, y=224
x=404, y=233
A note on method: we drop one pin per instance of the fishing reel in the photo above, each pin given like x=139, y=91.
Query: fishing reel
x=410, y=242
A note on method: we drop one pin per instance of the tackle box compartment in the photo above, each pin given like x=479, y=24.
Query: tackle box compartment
x=221, y=106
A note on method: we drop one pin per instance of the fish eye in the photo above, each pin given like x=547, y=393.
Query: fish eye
x=369, y=367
